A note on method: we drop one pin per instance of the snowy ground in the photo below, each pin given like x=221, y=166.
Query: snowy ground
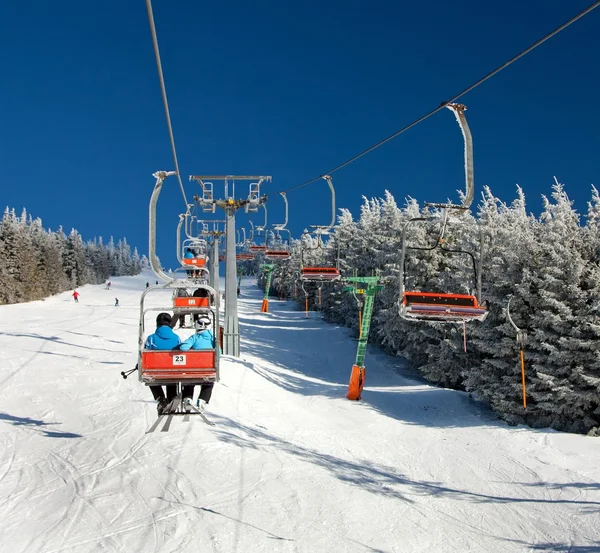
x=291, y=465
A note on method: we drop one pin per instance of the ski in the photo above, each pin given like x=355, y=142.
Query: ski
x=167, y=425
x=167, y=417
x=205, y=419
x=155, y=424
x=201, y=413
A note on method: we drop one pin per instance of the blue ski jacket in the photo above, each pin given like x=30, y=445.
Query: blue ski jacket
x=164, y=339
x=200, y=340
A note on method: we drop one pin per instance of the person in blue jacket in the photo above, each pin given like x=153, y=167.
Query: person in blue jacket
x=203, y=339
x=189, y=254
x=163, y=339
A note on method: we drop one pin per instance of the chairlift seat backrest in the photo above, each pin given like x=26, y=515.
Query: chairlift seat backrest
x=191, y=302
x=319, y=273
x=441, y=307
x=277, y=254
x=197, y=261
x=170, y=367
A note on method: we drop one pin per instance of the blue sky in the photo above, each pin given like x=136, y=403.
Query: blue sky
x=289, y=90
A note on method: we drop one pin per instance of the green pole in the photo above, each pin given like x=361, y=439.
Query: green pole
x=268, y=268
x=369, y=287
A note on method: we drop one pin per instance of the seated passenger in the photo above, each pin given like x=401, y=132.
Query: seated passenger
x=188, y=253
x=179, y=317
x=203, y=339
x=163, y=339
x=200, y=293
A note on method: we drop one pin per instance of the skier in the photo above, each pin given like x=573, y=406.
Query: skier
x=116, y=302
x=76, y=296
x=163, y=339
x=203, y=339
x=147, y=285
x=108, y=285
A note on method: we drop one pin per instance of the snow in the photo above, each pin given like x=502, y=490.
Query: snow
x=291, y=465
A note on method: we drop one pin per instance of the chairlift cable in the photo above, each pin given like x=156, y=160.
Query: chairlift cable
x=456, y=96
x=164, y=96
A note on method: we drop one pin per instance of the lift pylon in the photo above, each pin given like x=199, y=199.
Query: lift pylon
x=366, y=287
x=229, y=203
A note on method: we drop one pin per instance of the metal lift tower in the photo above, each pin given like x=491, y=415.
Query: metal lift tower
x=231, y=337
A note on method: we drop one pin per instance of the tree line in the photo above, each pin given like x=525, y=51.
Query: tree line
x=36, y=263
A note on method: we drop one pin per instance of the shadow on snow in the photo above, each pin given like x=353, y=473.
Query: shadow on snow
x=370, y=476
x=315, y=358
x=26, y=421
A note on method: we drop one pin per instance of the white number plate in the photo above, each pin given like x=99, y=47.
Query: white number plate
x=178, y=359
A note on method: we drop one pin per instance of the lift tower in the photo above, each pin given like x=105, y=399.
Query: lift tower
x=229, y=203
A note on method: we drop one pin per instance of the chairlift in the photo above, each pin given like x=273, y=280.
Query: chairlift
x=442, y=306
x=281, y=252
x=156, y=367
x=321, y=273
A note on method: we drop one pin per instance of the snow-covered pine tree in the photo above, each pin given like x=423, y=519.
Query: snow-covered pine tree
x=493, y=371
x=556, y=349
x=75, y=265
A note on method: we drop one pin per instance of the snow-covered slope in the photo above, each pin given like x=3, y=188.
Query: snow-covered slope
x=290, y=466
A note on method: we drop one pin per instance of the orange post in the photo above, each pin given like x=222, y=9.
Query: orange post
x=306, y=307
x=265, y=306
x=357, y=382
x=523, y=379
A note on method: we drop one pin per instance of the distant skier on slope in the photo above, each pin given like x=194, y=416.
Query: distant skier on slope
x=116, y=302
x=76, y=295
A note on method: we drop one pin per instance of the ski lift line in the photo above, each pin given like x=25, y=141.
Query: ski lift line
x=164, y=96
x=456, y=96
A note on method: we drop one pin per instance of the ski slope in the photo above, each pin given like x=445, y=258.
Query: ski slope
x=291, y=465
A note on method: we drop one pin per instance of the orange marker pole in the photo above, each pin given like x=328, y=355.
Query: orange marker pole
x=306, y=306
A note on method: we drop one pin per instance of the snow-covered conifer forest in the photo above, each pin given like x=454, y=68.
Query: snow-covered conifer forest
x=36, y=263
x=549, y=265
